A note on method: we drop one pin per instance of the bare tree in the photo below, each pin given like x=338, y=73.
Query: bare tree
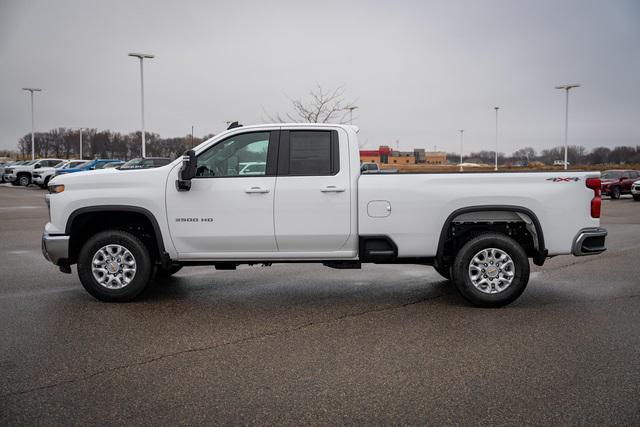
x=321, y=106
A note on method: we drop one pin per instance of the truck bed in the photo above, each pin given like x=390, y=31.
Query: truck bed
x=412, y=208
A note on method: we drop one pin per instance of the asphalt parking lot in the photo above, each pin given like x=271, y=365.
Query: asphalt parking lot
x=293, y=344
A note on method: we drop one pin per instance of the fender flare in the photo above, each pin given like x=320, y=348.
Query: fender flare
x=538, y=259
x=164, y=256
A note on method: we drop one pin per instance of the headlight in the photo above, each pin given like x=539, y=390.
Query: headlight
x=56, y=188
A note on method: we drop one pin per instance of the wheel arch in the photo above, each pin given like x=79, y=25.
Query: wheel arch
x=96, y=211
x=541, y=252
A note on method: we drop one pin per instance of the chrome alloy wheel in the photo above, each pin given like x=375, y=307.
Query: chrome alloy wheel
x=491, y=270
x=113, y=266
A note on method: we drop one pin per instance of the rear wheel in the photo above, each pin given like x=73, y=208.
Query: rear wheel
x=491, y=270
x=114, y=266
x=615, y=193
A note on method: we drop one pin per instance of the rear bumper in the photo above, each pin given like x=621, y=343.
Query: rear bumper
x=589, y=241
x=56, y=249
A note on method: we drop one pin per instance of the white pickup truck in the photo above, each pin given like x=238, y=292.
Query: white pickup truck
x=22, y=174
x=312, y=204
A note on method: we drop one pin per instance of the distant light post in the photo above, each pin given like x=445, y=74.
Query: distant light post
x=566, y=88
x=142, y=56
x=33, y=140
x=461, y=147
x=80, y=143
x=496, y=166
x=191, y=136
x=351, y=113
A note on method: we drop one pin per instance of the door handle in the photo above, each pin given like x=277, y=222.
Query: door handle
x=332, y=189
x=254, y=190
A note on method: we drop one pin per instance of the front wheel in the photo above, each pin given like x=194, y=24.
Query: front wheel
x=24, y=180
x=114, y=266
x=615, y=193
x=491, y=270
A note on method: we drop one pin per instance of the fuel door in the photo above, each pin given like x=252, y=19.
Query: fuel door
x=379, y=208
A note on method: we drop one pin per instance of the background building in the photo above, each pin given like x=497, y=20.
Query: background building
x=387, y=155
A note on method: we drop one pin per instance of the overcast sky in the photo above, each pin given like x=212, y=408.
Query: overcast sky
x=418, y=71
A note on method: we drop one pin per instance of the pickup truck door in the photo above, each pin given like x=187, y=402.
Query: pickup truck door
x=227, y=211
x=313, y=192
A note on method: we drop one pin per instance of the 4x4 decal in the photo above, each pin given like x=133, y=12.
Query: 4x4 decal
x=563, y=179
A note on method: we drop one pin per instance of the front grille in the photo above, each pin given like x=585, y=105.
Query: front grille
x=8, y=171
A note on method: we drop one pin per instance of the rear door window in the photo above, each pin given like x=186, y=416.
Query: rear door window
x=309, y=153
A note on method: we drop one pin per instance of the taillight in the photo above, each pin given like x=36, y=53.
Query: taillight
x=596, y=202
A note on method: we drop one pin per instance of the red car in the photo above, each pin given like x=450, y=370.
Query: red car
x=618, y=182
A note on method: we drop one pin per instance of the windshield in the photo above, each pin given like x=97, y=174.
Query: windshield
x=612, y=175
x=111, y=165
x=76, y=164
x=137, y=164
x=145, y=163
x=61, y=164
x=29, y=163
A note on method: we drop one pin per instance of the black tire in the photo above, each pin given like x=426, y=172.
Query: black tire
x=24, y=180
x=463, y=260
x=444, y=271
x=636, y=197
x=141, y=278
x=46, y=182
x=168, y=272
x=615, y=193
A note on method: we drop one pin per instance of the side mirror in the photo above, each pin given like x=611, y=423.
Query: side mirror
x=38, y=166
x=623, y=178
x=187, y=171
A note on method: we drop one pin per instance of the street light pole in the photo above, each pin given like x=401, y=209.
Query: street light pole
x=142, y=56
x=33, y=143
x=496, y=166
x=80, y=143
x=351, y=114
x=461, y=147
x=566, y=88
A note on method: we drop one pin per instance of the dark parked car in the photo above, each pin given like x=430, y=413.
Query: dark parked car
x=88, y=166
x=618, y=182
x=146, y=163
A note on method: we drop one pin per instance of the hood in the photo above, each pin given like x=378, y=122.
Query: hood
x=609, y=181
x=47, y=169
x=109, y=178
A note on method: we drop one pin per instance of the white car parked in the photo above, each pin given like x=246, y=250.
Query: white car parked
x=42, y=176
x=22, y=175
x=312, y=204
x=635, y=191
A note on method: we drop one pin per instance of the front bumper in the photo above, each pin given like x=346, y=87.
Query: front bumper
x=589, y=241
x=10, y=177
x=56, y=249
x=37, y=179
